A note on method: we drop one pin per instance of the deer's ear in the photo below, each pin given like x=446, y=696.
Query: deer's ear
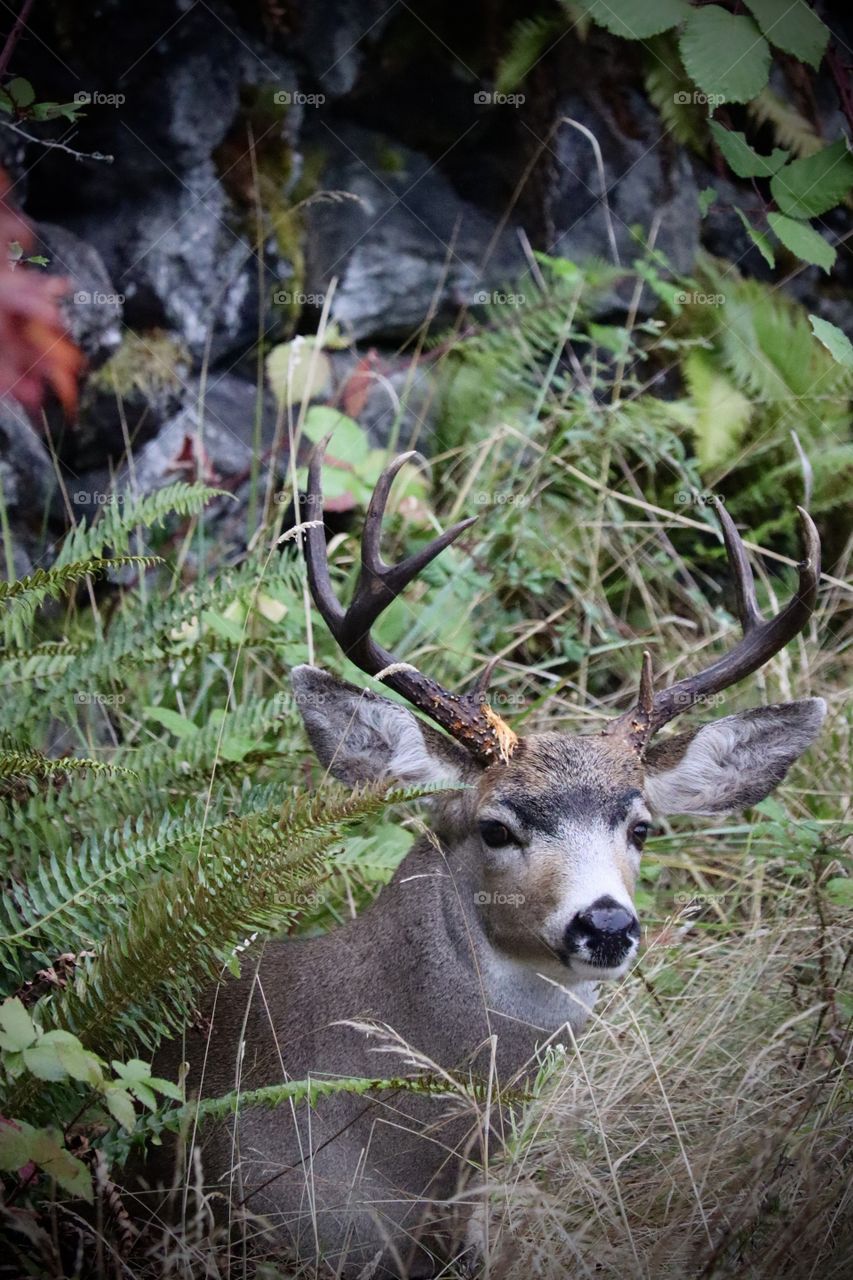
x=361, y=737
x=733, y=762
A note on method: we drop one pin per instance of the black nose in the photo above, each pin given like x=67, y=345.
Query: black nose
x=603, y=934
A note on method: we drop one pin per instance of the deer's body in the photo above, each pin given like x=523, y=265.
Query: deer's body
x=490, y=940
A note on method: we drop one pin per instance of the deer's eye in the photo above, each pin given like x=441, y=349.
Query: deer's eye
x=495, y=834
x=639, y=833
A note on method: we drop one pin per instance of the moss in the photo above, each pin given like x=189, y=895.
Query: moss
x=150, y=363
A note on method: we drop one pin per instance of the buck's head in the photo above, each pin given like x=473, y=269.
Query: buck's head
x=548, y=829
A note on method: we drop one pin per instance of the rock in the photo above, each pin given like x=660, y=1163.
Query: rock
x=180, y=266
x=93, y=306
x=647, y=181
x=401, y=242
x=31, y=493
x=393, y=399
x=145, y=383
x=213, y=441
x=330, y=37
x=723, y=233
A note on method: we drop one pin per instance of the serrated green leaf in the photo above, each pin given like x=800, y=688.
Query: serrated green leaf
x=297, y=371
x=49, y=1154
x=803, y=240
x=758, y=238
x=725, y=54
x=741, y=158
x=16, y=1141
x=793, y=26
x=808, y=187
x=120, y=1106
x=834, y=339
x=635, y=19
x=17, y=1031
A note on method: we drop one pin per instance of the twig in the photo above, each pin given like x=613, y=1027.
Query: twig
x=59, y=146
x=13, y=36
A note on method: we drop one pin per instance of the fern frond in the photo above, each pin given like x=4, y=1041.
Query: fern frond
x=25, y=595
x=183, y=928
x=671, y=92
x=116, y=524
x=26, y=762
x=528, y=41
x=791, y=129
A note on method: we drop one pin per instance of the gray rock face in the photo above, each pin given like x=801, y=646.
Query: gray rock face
x=93, y=307
x=331, y=35
x=30, y=487
x=647, y=183
x=180, y=266
x=400, y=240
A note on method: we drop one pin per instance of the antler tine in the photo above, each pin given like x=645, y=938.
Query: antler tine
x=762, y=638
x=316, y=558
x=466, y=718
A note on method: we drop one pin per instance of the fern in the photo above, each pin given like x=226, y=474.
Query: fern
x=116, y=524
x=671, y=91
x=25, y=595
x=791, y=129
x=25, y=762
x=529, y=40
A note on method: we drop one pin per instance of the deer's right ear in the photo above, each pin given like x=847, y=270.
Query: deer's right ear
x=361, y=737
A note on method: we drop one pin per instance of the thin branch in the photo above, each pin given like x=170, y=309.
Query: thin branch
x=58, y=146
x=13, y=36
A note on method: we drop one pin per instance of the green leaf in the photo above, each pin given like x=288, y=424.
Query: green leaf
x=69, y=1054
x=758, y=238
x=16, y=1141
x=725, y=54
x=18, y=1031
x=707, y=196
x=808, y=187
x=297, y=371
x=840, y=890
x=179, y=725
x=21, y=92
x=834, y=339
x=349, y=441
x=71, y=1174
x=635, y=19
x=793, y=26
x=803, y=240
x=741, y=158
x=120, y=1106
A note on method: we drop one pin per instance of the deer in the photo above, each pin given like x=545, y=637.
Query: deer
x=496, y=931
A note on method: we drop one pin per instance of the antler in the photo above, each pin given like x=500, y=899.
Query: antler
x=466, y=717
x=761, y=639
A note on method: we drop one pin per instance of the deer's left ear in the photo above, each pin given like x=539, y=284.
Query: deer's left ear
x=733, y=762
